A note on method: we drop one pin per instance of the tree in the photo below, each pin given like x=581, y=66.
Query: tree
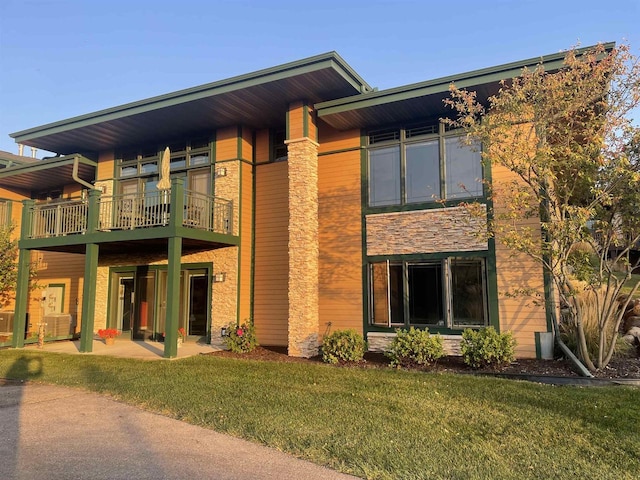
x=569, y=142
x=8, y=266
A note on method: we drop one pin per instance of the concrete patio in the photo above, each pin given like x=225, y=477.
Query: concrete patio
x=127, y=348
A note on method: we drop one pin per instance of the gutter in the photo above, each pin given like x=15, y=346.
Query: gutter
x=75, y=176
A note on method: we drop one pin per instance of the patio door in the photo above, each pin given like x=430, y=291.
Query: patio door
x=123, y=287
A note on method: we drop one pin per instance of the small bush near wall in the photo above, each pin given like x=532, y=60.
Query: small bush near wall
x=486, y=347
x=241, y=338
x=414, y=347
x=343, y=346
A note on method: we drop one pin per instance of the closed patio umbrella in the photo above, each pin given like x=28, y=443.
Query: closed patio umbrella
x=165, y=179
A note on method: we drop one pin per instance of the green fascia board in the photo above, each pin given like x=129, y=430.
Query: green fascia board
x=261, y=77
x=45, y=165
x=128, y=235
x=440, y=85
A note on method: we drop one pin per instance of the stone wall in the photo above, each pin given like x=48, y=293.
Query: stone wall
x=303, y=247
x=379, y=341
x=436, y=230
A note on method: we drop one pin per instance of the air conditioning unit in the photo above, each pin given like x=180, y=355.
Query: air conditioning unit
x=6, y=322
x=59, y=325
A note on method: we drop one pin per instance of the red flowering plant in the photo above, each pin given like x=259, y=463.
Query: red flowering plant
x=241, y=338
x=182, y=333
x=108, y=333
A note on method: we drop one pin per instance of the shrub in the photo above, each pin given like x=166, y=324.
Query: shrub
x=411, y=347
x=486, y=347
x=241, y=338
x=343, y=346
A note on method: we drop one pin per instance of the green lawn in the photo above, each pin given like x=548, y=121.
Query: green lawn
x=378, y=424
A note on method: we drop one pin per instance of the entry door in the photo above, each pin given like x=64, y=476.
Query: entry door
x=145, y=293
x=126, y=298
x=198, y=296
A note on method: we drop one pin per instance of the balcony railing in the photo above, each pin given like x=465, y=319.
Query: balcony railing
x=131, y=211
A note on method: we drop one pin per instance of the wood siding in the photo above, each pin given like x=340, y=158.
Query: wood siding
x=57, y=268
x=271, y=303
x=226, y=144
x=246, y=199
x=340, y=232
x=518, y=314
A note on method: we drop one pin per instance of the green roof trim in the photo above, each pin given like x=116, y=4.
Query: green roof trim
x=439, y=85
x=299, y=67
x=45, y=165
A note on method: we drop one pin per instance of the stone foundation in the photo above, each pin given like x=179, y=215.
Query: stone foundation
x=379, y=341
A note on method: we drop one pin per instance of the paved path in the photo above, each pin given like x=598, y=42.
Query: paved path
x=60, y=433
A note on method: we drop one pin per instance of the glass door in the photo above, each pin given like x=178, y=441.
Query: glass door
x=198, y=296
x=123, y=301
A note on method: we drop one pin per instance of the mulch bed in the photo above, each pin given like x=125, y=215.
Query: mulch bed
x=619, y=368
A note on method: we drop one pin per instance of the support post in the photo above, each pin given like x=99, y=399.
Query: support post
x=173, y=297
x=89, y=297
x=22, y=298
x=93, y=211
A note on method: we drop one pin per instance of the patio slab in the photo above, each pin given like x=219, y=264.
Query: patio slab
x=127, y=349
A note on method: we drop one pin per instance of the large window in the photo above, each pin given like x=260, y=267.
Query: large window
x=421, y=164
x=449, y=293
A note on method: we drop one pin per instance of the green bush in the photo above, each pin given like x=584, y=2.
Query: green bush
x=343, y=346
x=414, y=347
x=241, y=338
x=486, y=347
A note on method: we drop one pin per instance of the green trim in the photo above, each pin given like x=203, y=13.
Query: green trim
x=46, y=165
x=330, y=60
x=287, y=134
x=305, y=120
x=239, y=267
x=239, y=142
x=538, y=345
x=253, y=231
x=441, y=85
x=89, y=297
x=363, y=203
x=343, y=150
x=492, y=268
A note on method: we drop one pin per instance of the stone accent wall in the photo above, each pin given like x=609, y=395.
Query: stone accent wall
x=303, y=247
x=436, y=230
x=224, y=294
x=379, y=341
x=228, y=187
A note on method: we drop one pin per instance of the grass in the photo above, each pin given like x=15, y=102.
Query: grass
x=378, y=424
x=629, y=284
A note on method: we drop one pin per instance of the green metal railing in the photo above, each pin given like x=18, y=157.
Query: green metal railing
x=130, y=211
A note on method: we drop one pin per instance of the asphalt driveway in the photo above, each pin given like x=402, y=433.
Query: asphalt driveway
x=61, y=433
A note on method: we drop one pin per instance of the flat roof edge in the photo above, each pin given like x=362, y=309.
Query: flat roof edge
x=324, y=60
x=432, y=86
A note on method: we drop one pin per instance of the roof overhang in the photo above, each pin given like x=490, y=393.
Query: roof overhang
x=259, y=99
x=47, y=174
x=425, y=99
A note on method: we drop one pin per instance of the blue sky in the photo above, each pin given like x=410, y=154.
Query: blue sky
x=62, y=58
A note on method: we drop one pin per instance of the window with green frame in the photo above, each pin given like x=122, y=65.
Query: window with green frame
x=144, y=161
x=421, y=164
x=449, y=293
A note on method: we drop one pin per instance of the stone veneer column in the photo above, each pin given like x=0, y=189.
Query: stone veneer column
x=303, y=247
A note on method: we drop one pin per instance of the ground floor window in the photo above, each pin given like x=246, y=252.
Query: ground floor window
x=139, y=301
x=448, y=293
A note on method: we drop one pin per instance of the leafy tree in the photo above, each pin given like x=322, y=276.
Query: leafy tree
x=8, y=266
x=569, y=141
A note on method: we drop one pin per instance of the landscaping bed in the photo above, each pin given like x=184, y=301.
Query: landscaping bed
x=619, y=368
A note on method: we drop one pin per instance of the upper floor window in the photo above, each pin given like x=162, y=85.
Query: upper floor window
x=138, y=162
x=5, y=213
x=421, y=164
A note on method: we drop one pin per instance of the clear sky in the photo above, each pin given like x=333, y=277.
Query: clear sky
x=62, y=58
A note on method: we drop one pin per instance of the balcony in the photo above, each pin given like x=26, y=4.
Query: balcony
x=140, y=217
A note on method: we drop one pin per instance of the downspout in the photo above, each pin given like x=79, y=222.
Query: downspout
x=550, y=303
x=582, y=370
x=75, y=176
